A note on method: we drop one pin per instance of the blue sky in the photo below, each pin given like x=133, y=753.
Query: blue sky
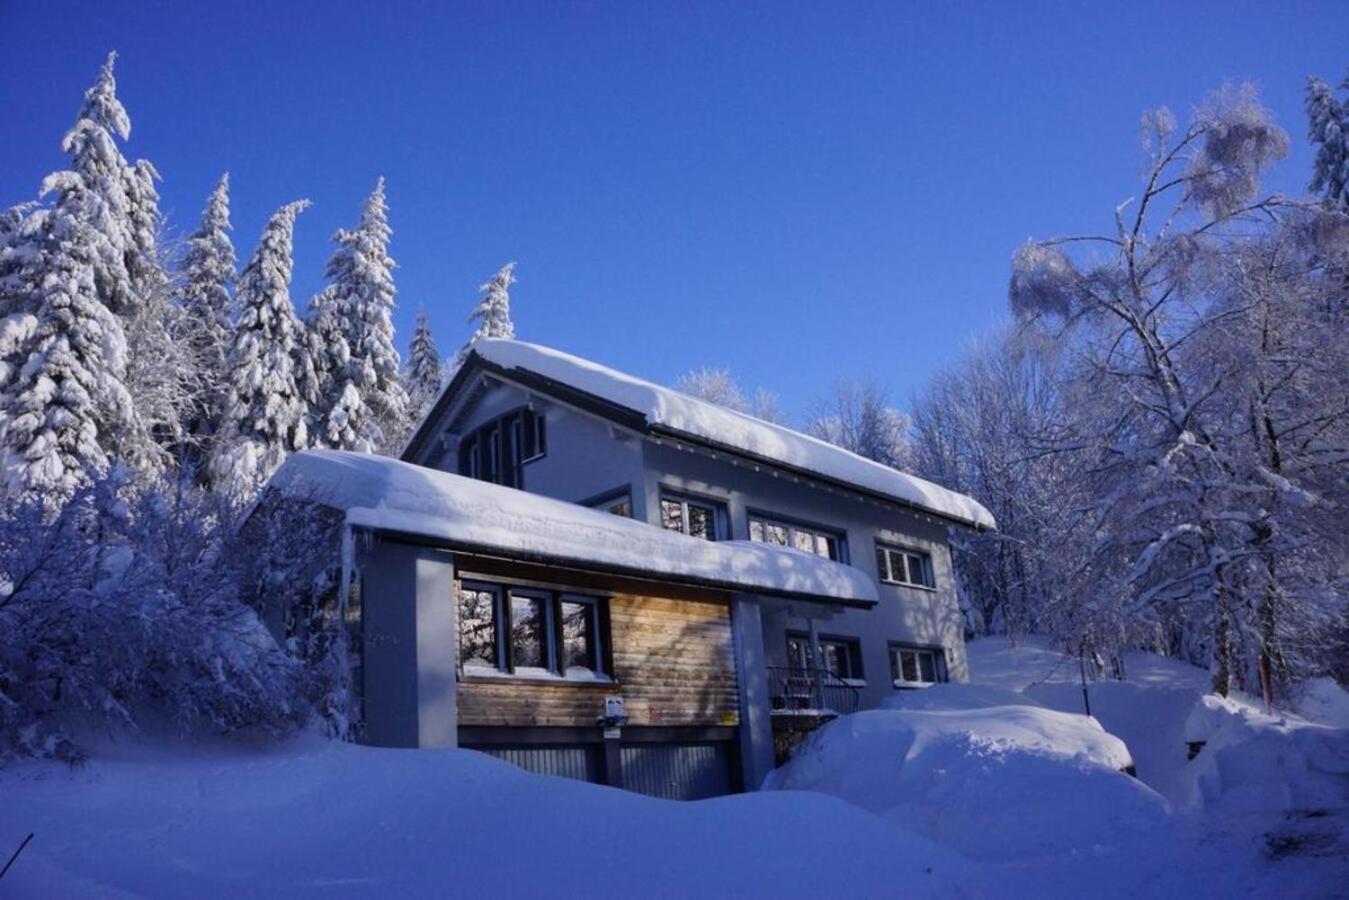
x=797, y=190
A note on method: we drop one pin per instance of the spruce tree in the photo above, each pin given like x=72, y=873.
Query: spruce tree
x=1327, y=128
x=65, y=408
x=206, y=300
x=362, y=404
x=264, y=412
x=425, y=372
x=493, y=313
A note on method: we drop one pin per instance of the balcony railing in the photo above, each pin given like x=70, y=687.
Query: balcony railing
x=794, y=691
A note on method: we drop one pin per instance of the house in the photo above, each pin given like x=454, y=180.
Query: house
x=647, y=589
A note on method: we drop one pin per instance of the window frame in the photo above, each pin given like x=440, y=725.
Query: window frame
x=496, y=448
x=716, y=507
x=852, y=647
x=793, y=526
x=606, y=501
x=553, y=650
x=939, y=672
x=886, y=574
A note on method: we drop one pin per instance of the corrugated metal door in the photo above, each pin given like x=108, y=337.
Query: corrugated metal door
x=569, y=761
x=678, y=771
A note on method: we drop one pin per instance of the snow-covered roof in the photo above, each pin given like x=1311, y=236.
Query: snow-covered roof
x=382, y=493
x=671, y=411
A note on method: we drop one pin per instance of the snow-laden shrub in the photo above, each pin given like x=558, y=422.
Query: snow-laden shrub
x=124, y=608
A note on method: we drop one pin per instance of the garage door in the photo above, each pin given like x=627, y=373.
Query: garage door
x=567, y=760
x=689, y=771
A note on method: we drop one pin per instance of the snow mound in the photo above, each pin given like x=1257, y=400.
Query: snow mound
x=677, y=412
x=954, y=696
x=379, y=492
x=997, y=783
x=325, y=819
x=1252, y=761
x=1322, y=700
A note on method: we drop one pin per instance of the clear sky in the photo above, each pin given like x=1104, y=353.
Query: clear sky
x=796, y=190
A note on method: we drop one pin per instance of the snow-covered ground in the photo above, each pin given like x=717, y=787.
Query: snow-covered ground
x=996, y=789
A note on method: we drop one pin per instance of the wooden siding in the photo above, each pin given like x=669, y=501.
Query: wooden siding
x=673, y=665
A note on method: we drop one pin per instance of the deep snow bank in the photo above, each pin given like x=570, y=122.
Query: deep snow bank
x=996, y=783
x=319, y=818
x=1250, y=761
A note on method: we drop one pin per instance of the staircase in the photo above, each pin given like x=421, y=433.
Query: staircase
x=801, y=700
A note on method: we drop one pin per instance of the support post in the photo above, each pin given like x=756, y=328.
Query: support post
x=410, y=646
x=816, y=662
x=756, y=723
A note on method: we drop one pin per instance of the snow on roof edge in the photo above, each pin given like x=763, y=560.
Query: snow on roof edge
x=709, y=423
x=383, y=493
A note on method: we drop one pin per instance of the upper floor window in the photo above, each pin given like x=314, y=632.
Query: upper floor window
x=804, y=538
x=899, y=566
x=497, y=450
x=696, y=518
x=529, y=630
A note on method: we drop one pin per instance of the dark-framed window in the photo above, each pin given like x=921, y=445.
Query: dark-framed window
x=912, y=665
x=693, y=516
x=617, y=502
x=900, y=565
x=497, y=450
x=806, y=538
x=840, y=655
x=510, y=628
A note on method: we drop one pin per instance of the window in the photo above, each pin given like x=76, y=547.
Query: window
x=899, y=566
x=840, y=655
x=529, y=632
x=497, y=451
x=579, y=627
x=478, y=626
x=695, y=518
x=914, y=665
x=804, y=538
x=513, y=629
x=618, y=503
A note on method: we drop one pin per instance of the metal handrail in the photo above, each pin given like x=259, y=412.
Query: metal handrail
x=798, y=690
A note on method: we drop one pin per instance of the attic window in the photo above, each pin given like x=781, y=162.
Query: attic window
x=498, y=450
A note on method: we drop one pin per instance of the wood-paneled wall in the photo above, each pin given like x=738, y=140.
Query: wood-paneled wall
x=673, y=665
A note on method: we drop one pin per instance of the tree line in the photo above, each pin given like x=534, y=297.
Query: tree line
x=148, y=389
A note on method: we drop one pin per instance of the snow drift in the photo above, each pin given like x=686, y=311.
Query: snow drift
x=314, y=818
x=996, y=783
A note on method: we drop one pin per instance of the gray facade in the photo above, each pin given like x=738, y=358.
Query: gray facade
x=591, y=455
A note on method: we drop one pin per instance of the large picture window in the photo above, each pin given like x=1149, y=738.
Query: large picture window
x=526, y=630
x=498, y=450
x=897, y=565
x=807, y=539
x=696, y=518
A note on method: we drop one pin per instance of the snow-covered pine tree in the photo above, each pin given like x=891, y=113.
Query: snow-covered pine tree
x=493, y=313
x=206, y=300
x=362, y=404
x=425, y=372
x=1327, y=128
x=67, y=410
x=264, y=413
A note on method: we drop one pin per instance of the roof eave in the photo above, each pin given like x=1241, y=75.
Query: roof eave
x=600, y=568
